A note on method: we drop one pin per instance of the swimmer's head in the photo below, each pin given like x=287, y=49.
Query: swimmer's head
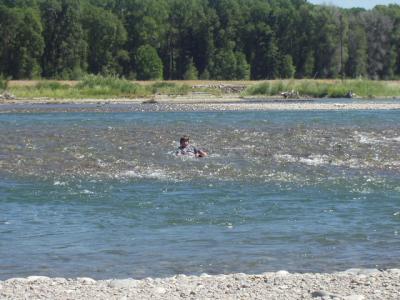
x=184, y=141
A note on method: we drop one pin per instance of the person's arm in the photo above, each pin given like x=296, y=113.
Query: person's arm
x=178, y=152
x=201, y=153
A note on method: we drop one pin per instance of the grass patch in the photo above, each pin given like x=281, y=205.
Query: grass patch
x=90, y=86
x=169, y=88
x=100, y=87
x=269, y=88
x=331, y=89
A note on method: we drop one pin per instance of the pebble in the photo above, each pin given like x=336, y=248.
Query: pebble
x=160, y=290
x=86, y=280
x=123, y=283
x=282, y=273
x=354, y=297
x=37, y=278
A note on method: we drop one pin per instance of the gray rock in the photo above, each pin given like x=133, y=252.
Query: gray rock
x=160, y=290
x=354, y=297
x=324, y=295
x=356, y=271
x=123, y=283
x=352, y=271
x=319, y=294
x=282, y=273
x=16, y=280
x=86, y=280
x=37, y=278
x=369, y=271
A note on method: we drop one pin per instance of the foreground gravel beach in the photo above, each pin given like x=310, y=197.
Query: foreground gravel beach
x=353, y=284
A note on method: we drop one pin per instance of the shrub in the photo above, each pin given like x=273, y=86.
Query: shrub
x=51, y=85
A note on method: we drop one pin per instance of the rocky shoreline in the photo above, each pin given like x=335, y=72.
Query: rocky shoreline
x=186, y=105
x=353, y=284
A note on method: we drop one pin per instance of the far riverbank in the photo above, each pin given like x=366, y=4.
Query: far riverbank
x=99, y=87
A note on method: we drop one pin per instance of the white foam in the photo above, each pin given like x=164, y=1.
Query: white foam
x=149, y=173
x=87, y=192
x=101, y=163
x=59, y=183
x=285, y=157
x=314, y=160
x=365, y=139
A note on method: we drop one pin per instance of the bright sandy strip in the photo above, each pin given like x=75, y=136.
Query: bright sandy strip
x=353, y=284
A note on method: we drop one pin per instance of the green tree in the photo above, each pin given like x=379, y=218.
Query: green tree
x=223, y=65
x=106, y=37
x=242, y=67
x=381, y=58
x=265, y=61
x=287, y=69
x=191, y=72
x=357, y=63
x=148, y=63
x=190, y=31
x=65, y=47
x=309, y=65
x=327, y=42
x=393, y=13
x=21, y=42
x=9, y=20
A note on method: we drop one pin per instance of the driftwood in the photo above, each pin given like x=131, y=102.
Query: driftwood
x=7, y=96
x=291, y=94
x=150, y=101
x=350, y=94
x=225, y=88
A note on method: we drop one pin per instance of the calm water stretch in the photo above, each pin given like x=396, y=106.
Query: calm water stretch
x=101, y=194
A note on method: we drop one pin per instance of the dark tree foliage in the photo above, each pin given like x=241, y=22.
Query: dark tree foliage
x=149, y=65
x=65, y=47
x=21, y=42
x=189, y=39
x=106, y=36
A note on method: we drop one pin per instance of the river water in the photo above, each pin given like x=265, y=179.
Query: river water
x=101, y=194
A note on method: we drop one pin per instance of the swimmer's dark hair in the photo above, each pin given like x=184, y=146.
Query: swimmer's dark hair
x=184, y=138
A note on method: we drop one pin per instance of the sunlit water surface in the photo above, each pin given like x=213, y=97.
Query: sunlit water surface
x=102, y=194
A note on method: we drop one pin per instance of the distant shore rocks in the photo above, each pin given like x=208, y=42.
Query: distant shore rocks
x=353, y=284
x=224, y=88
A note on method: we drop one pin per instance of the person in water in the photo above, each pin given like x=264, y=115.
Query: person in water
x=186, y=148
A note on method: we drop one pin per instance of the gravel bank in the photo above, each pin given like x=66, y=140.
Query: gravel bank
x=110, y=106
x=353, y=284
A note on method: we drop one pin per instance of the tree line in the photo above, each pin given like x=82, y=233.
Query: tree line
x=197, y=39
